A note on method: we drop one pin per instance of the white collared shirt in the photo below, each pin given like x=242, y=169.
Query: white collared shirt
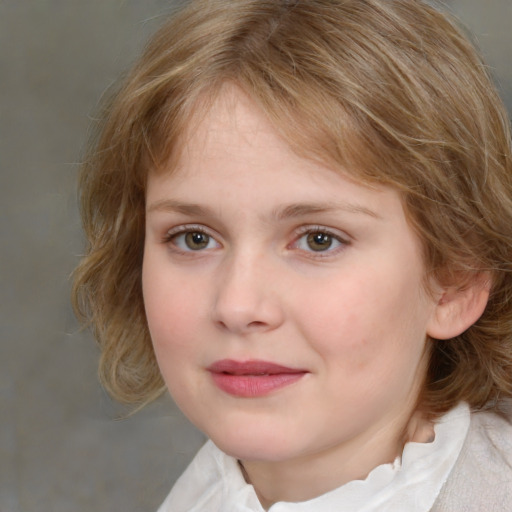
x=213, y=482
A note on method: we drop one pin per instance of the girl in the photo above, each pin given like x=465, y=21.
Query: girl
x=299, y=217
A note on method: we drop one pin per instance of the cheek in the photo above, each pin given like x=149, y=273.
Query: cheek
x=365, y=321
x=171, y=306
x=338, y=308
x=172, y=326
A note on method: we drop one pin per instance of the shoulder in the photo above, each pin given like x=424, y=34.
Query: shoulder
x=491, y=434
x=199, y=482
x=482, y=476
x=488, y=450
x=213, y=482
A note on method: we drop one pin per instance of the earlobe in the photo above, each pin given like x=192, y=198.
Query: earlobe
x=459, y=308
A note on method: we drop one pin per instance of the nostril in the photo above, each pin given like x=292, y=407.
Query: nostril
x=246, y=314
x=221, y=324
x=248, y=327
x=256, y=324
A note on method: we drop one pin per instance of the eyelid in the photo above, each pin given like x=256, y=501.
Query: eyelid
x=341, y=237
x=317, y=228
x=182, y=229
x=185, y=228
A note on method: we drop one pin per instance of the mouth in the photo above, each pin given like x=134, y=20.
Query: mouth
x=251, y=379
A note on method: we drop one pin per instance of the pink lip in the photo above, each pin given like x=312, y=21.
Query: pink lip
x=252, y=378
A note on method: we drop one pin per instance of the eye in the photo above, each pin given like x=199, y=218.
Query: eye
x=187, y=240
x=318, y=241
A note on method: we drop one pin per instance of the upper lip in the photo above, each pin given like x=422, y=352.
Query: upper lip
x=251, y=367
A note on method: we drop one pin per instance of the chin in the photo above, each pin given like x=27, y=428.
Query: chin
x=256, y=444
x=254, y=451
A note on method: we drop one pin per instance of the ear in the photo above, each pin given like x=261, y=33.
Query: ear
x=458, y=308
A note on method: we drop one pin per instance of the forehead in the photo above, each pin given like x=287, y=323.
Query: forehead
x=233, y=157
x=231, y=127
x=233, y=132
x=228, y=115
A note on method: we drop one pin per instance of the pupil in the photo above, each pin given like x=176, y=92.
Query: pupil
x=319, y=241
x=196, y=240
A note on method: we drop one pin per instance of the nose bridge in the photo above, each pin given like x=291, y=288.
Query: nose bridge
x=246, y=298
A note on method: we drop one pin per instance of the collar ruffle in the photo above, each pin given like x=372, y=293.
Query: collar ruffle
x=214, y=481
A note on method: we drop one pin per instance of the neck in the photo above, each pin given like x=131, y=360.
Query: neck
x=312, y=475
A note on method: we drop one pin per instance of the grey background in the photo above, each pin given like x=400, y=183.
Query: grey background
x=61, y=446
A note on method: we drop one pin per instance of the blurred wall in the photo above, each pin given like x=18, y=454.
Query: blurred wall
x=61, y=448
x=490, y=22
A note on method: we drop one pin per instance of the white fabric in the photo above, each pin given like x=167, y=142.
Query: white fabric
x=214, y=483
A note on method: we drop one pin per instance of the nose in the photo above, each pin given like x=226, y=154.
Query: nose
x=246, y=298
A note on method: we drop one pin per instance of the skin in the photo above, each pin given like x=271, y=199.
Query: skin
x=351, y=311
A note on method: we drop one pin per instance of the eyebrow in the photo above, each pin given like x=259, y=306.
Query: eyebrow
x=286, y=212
x=171, y=205
x=302, y=209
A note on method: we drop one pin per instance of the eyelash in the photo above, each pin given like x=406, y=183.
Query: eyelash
x=312, y=230
x=172, y=235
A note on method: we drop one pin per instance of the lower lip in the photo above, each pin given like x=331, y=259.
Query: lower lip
x=251, y=386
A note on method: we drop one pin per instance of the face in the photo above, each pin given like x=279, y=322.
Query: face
x=284, y=300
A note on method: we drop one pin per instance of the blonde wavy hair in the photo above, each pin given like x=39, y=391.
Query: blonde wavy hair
x=389, y=89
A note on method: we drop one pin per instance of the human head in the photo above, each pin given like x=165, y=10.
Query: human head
x=388, y=89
